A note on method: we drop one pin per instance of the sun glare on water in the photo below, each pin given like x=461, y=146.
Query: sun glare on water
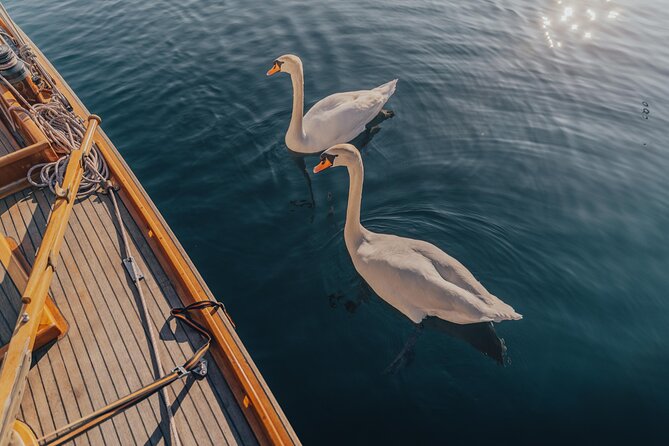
x=572, y=21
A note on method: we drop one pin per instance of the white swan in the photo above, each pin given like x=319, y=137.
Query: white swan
x=413, y=276
x=335, y=119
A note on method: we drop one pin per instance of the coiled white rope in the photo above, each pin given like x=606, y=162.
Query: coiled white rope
x=65, y=130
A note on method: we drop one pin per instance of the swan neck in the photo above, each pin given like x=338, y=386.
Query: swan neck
x=295, y=127
x=353, y=228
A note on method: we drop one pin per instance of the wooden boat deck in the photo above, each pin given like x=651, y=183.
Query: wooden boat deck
x=105, y=355
x=7, y=142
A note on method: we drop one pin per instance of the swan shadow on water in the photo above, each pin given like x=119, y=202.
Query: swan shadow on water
x=481, y=336
x=363, y=139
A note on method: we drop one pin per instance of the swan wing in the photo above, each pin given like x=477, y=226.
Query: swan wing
x=449, y=268
x=421, y=280
x=399, y=276
x=452, y=271
x=340, y=117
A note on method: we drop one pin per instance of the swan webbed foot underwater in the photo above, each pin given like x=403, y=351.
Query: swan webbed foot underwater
x=481, y=336
x=363, y=139
x=364, y=293
x=372, y=129
x=350, y=306
x=387, y=114
x=382, y=116
x=407, y=354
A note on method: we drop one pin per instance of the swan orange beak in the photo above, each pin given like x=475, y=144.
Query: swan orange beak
x=324, y=164
x=275, y=69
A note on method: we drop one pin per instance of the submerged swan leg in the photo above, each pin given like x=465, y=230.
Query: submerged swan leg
x=481, y=336
x=406, y=354
x=372, y=128
x=378, y=119
x=369, y=134
x=301, y=165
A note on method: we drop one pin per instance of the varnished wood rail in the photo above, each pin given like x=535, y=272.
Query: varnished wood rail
x=23, y=153
x=52, y=324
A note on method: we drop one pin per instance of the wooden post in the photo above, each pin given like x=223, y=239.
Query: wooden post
x=18, y=357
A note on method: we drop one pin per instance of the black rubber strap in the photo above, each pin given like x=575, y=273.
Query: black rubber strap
x=88, y=422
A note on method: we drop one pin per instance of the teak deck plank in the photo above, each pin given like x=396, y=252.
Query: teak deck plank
x=105, y=354
x=7, y=143
x=31, y=241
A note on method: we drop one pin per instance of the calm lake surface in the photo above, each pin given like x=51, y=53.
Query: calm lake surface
x=520, y=145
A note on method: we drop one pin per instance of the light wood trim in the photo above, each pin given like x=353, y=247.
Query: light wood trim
x=52, y=324
x=23, y=153
x=12, y=373
x=21, y=118
x=13, y=187
x=14, y=166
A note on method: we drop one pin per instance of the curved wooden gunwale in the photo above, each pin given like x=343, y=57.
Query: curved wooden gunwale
x=252, y=393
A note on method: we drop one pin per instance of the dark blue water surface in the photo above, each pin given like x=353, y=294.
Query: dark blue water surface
x=520, y=145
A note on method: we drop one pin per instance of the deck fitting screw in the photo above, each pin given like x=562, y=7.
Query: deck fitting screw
x=25, y=318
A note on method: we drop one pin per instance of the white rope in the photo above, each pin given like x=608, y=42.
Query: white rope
x=127, y=255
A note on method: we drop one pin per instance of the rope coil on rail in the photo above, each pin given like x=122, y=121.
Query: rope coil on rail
x=62, y=127
x=66, y=130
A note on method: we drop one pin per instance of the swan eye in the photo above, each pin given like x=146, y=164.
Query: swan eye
x=276, y=67
x=327, y=161
x=328, y=156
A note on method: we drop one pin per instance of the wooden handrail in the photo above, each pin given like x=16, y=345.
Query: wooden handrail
x=23, y=153
x=18, y=357
x=52, y=324
x=21, y=119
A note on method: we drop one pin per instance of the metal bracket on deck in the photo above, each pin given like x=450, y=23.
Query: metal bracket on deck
x=181, y=371
x=109, y=184
x=62, y=193
x=202, y=370
x=132, y=268
x=52, y=261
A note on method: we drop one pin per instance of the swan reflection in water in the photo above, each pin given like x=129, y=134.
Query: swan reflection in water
x=482, y=336
x=362, y=140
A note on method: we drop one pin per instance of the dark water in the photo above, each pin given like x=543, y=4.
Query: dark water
x=535, y=165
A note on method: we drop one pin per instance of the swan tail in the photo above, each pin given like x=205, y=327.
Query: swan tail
x=505, y=314
x=496, y=310
x=513, y=316
x=387, y=89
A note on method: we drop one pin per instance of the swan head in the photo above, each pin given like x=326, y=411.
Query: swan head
x=338, y=155
x=288, y=63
